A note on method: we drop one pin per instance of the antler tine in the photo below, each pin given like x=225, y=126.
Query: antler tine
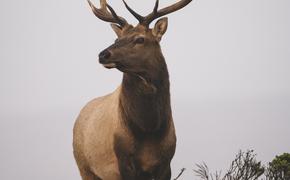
x=121, y=20
x=158, y=13
x=103, y=14
x=103, y=4
x=135, y=14
x=156, y=7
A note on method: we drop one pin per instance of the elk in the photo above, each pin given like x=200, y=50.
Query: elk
x=129, y=134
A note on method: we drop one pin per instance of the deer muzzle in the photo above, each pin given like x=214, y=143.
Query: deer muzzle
x=104, y=59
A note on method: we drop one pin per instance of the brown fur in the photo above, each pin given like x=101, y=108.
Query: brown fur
x=129, y=134
x=108, y=143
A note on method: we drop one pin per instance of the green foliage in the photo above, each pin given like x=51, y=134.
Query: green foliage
x=279, y=168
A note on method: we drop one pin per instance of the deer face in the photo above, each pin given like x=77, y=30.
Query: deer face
x=136, y=48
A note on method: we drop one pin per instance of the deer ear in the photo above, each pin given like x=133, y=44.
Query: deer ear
x=117, y=29
x=160, y=28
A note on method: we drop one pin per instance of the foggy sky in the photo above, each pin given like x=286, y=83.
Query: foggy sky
x=229, y=66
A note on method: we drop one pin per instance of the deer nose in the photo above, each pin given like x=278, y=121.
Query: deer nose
x=104, y=55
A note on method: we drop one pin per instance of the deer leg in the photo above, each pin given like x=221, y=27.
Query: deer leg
x=125, y=155
x=127, y=168
x=88, y=175
x=167, y=175
x=164, y=174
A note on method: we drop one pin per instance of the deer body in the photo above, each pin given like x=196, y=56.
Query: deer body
x=129, y=134
x=106, y=143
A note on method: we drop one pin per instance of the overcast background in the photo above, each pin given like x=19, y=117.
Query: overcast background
x=229, y=63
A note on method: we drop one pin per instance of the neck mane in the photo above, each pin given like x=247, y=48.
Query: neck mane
x=145, y=101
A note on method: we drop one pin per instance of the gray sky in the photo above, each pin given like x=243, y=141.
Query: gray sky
x=229, y=63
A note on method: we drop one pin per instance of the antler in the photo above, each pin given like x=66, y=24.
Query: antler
x=105, y=15
x=157, y=13
x=162, y=12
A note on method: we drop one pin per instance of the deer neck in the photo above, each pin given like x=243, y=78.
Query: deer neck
x=145, y=102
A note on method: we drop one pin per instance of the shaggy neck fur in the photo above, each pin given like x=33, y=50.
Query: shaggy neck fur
x=145, y=101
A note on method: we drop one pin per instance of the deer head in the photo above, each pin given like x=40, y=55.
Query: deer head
x=136, y=50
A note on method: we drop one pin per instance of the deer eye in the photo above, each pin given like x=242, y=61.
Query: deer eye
x=140, y=40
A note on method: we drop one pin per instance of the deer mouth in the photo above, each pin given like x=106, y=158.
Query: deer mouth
x=110, y=65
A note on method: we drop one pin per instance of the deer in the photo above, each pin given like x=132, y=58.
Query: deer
x=129, y=134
